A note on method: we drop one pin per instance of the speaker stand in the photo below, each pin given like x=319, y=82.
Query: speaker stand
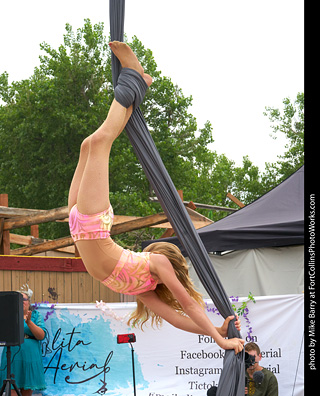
x=134, y=379
x=6, y=387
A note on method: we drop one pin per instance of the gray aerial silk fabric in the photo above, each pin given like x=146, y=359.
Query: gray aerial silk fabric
x=130, y=88
x=232, y=379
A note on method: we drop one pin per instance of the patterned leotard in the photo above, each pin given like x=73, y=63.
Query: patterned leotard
x=96, y=226
x=131, y=274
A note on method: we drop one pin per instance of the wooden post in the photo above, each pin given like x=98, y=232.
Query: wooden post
x=37, y=218
x=43, y=247
x=76, y=252
x=34, y=230
x=4, y=235
x=128, y=226
x=235, y=200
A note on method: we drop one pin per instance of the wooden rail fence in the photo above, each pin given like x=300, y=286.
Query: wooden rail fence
x=61, y=279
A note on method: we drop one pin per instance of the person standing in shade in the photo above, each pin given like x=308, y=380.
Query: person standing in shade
x=26, y=359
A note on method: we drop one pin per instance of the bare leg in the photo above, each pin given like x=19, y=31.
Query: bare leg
x=84, y=154
x=126, y=56
x=26, y=392
x=90, y=184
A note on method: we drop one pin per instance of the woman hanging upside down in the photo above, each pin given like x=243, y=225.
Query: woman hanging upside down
x=159, y=275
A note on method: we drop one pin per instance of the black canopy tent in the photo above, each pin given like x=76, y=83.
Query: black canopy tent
x=275, y=219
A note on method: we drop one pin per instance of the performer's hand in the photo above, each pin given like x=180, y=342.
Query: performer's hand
x=224, y=327
x=234, y=343
x=238, y=323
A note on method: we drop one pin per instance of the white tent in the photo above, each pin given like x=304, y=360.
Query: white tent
x=263, y=271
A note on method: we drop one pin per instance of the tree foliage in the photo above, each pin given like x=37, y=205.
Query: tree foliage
x=44, y=119
x=290, y=122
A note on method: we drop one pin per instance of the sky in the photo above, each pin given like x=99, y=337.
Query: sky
x=234, y=57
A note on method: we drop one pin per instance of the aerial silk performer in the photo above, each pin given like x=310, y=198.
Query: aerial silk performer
x=232, y=379
x=159, y=275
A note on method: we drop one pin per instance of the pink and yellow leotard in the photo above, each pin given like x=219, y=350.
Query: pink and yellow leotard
x=86, y=227
x=131, y=274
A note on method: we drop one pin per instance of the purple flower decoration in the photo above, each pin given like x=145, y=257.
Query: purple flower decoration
x=37, y=305
x=243, y=310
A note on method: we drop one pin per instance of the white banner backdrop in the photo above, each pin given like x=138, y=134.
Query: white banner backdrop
x=82, y=357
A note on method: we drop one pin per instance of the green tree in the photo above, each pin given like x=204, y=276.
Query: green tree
x=248, y=182
x=45, y=118
x=247, y=185
x=290, y=122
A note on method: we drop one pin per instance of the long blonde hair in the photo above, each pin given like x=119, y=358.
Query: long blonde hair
x=141, y=315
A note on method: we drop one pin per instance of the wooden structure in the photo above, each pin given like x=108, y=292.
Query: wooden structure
x=53, y=279
x=61, y=279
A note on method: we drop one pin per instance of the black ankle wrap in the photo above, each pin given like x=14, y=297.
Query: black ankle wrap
x=130, y=88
